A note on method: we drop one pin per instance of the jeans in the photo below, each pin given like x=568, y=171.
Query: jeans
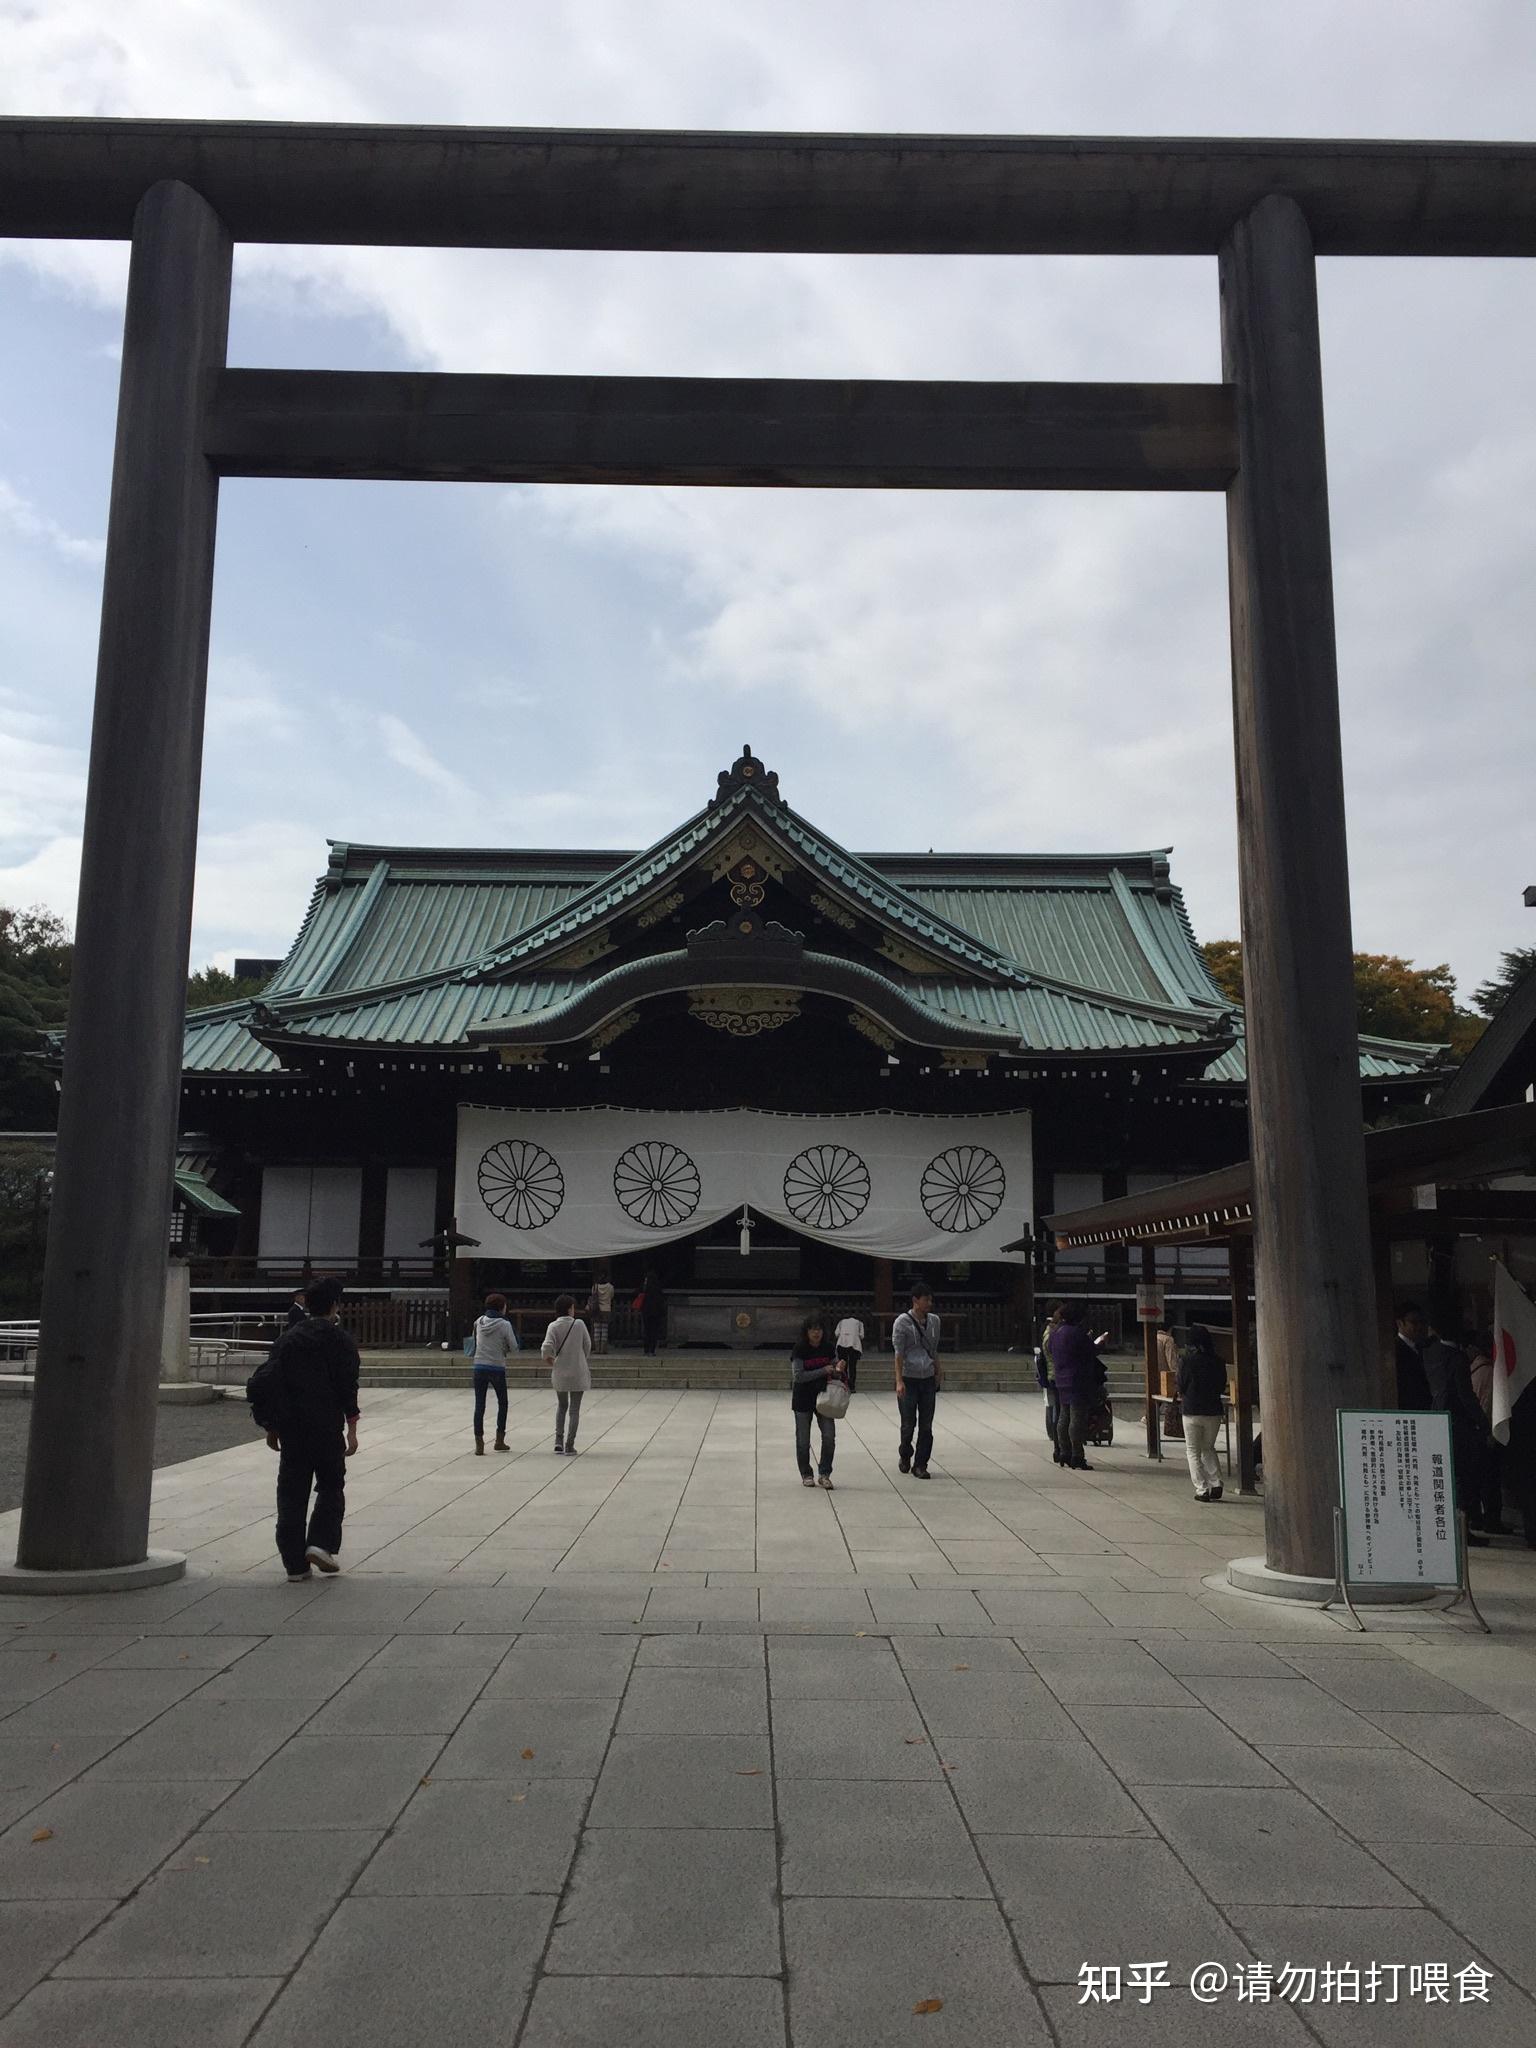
x=828, y=1428
x=1071, y=1429
x=916, y=1407
x=564, y=1434
x=486, y=1377
x=318, y=1459
x=1200, y=1434
x=1052, y=1410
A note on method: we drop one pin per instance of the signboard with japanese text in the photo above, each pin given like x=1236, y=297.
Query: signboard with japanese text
x=1149, y=1301
x=1397, y=1486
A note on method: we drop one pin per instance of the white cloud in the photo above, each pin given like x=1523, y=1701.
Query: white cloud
x=1059, y=662
x=409, y=751
x=23, y=517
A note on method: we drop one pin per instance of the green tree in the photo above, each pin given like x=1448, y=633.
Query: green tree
x=35, y=961
x=26, y=1188
x=212, y=985
x=1490, y=996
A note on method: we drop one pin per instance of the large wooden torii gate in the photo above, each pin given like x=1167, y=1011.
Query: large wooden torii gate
x=185, y=192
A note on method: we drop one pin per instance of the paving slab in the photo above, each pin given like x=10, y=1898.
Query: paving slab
x=502, y=1839
x=699, y=1652
x=1122, y=1675
x=232, y=1905
x=654, y=2012
x=876, y=1841
x=830, y=1610
x=707, y=1702
x=523, y=1738
x=430, y=1652
x=107, y=1703
x=1485, y=1893
x=1376, y=1685
x=399, y=1972
x=332, y=1781
x=1172, y=1746
x=1384, y=1795
x=1212, y=1656
x=36, y=1933
x=686, y=1781
x=857, y=1972
x=28, y=1671
x=207, y=1738
x=1486, y=1753
x=960, y=1705
x=170, y=1653
x=399, y=1700
x=478, y=1610
x=1043, y=1607
x=295, y=1667
x=1255, y=1846
x=217, y=2014
x=564, y=1667
x=833, y=1668
x=857, y=1739
x=650, y=1902
x=1285, y=1710
x=1172, y=2020
x=1040, y=1788
x=1071, y=1902
x=1394, y=1940
x=102, y=1838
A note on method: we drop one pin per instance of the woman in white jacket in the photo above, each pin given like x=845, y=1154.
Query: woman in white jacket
x=568, y=1347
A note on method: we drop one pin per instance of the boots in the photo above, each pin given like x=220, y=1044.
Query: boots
x=502, y=1444
x=479, y=1446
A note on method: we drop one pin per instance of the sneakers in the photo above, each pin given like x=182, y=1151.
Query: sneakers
x=1080, y=1465
x=570, y=1450
x=559, y=1450
x=825, y=1479
x=1215, y=1493
x=904, y=1462
x=806, y=1479
x=323, y=1558
x=1202, y=1496
x=300, y=1578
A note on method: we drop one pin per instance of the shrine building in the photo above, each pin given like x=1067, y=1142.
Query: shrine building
x=768, y=1070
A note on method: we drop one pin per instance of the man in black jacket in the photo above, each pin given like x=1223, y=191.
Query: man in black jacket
x=313, y=1399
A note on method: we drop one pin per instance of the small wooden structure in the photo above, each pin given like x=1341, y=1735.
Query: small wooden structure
x=1449, y=1158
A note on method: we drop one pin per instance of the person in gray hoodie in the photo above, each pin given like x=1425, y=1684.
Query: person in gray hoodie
x=495, y=1341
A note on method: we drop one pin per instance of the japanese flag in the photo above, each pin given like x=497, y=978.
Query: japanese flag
x=1514, y=1347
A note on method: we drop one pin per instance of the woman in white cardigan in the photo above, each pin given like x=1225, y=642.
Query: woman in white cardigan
x=568, y=1347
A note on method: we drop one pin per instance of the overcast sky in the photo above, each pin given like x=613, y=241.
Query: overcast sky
x=557, y=666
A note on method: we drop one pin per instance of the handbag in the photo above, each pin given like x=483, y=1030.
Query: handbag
x=832, y=1401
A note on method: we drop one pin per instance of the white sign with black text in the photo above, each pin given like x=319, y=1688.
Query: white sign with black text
x=1397, y=1485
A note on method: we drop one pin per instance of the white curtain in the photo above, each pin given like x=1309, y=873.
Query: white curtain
x=562, y=1184
x=310, y=1212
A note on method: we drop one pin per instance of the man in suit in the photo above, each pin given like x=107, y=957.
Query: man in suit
x=1412, y=1380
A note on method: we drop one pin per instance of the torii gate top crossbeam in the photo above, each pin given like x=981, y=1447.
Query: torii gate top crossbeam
x=882, y=194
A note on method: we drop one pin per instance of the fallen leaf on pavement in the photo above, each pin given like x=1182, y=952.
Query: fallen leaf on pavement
x=43, y=1835
x=859, y=1634
x=929, y=2005
x=960, y=1667
x=527, y=1756
x=749, y=1774
x=53, y=1656
x=199, y=1859
x=427, y=1779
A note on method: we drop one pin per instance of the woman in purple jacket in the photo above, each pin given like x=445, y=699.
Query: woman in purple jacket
x=1079, y=1374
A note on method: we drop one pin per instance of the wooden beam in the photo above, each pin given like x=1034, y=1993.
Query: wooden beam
x=1149, y=1368
x=505, y=188
x=91, y=1458
x=1316, y=1305
x=1240, y=1275
x=722, y=430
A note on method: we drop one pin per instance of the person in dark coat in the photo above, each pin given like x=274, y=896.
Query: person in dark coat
x=1412, y=1385
x=1079, y=1374
x=312, y=1426
x=653, y=1313
x=1045, y=1374
x=812, y=1362
x=1202, y=1386
x=1449, y=1376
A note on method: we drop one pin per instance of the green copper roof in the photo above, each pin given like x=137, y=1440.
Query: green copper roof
x=1056, y=954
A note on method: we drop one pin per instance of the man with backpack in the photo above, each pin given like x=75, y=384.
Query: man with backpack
x=304, y=1395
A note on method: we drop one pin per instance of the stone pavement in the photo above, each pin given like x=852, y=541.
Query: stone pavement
x=655, y=1747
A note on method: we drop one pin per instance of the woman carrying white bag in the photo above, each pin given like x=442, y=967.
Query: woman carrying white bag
x=818, y=1389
